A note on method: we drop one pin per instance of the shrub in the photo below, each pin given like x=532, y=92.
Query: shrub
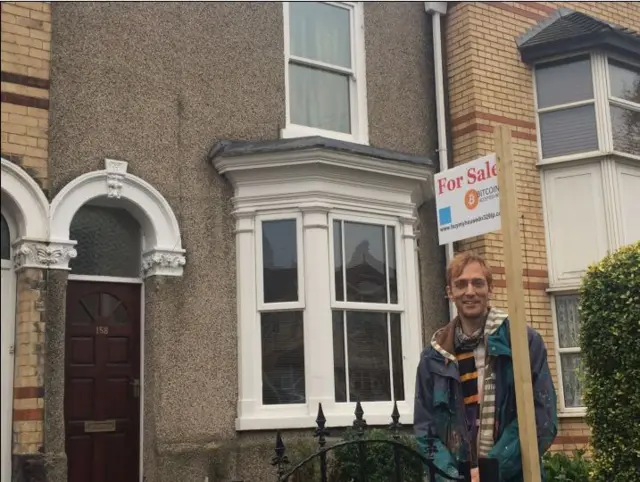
x=560, y=467
x=610, y=341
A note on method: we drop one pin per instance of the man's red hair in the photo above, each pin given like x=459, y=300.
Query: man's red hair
x=460, y=262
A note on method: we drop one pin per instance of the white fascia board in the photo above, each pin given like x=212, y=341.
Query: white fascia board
x=324, y=157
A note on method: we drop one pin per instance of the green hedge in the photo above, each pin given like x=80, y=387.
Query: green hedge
x=610, y=342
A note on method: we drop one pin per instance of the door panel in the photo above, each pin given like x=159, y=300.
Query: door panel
x=102, y=363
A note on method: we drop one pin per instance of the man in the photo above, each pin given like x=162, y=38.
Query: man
x=465, y=391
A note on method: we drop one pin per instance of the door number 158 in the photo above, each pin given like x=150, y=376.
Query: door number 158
x=102, y=330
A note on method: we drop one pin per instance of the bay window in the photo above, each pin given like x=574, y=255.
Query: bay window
x=325, y=70
x=328, y=301
x=588, y=116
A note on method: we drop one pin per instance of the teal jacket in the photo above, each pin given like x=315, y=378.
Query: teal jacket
x=439, y=401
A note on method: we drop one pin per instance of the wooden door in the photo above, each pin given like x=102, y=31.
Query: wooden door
x=102, y=382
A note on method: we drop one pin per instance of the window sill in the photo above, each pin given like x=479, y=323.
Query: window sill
x=293, y=131
x=342, y=415
x=576, y=414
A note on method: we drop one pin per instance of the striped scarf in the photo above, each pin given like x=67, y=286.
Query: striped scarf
x=487, y=393
x=486, y=387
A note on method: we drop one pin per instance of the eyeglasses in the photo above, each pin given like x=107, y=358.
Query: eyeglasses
x=477, y=283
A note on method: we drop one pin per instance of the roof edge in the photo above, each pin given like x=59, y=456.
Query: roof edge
x=238, y=148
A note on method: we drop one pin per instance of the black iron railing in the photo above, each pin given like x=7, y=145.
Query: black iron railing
x=420, y=465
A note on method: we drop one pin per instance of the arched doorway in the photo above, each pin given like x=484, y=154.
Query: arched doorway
x=121, y=231
x=103, y=346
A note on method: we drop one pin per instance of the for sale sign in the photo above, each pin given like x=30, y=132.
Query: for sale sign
x=467, y=200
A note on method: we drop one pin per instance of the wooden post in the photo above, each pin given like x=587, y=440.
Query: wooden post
x=510, y=222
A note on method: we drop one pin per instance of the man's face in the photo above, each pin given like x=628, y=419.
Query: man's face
x=470, y=291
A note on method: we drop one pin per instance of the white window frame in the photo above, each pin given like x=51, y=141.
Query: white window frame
x=287, y=305
x=564, y=410
x=357, y=79
x=298, y=409
x=397, y=308
x=608, y=161
x=601, y=99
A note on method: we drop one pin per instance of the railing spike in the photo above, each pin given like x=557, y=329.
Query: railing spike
x=359, y=423
x=395, y=425
x=321, y=432
x=279, y=460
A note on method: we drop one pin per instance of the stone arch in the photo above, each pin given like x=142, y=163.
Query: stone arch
x=162, y=244
x=25, y=201
x=27, y=206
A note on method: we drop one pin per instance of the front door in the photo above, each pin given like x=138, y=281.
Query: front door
x=102, y=381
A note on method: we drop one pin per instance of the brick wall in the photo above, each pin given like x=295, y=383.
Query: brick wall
x=489, y=85
x=26, y=45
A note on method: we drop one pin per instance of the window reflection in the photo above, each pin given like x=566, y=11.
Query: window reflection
x=280, y=261
x=369, y=260
x=283, y=378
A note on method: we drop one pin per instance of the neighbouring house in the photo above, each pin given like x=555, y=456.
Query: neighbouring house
x=216, y=215
x=565, y=78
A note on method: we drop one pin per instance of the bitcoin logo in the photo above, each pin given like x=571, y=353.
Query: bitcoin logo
x=471, y=199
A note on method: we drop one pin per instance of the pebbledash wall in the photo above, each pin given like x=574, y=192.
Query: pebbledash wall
x=26, y=45
x=156, y=86
x=488, y=85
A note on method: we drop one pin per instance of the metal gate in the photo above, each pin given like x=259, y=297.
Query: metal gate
x=421, y=466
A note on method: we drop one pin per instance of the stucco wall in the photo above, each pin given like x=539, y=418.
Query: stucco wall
x=156, y=85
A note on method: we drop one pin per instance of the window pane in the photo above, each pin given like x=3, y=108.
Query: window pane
x=368, y=350
x=568, y=131
x=5, y=239
x=568, y=319
x=563, y=83
x=280, y=261
x=396, y=357
x=364, y=256
x=391, y=258
x=320, y=32
x=625, y=82
x=339, y=359
x=109, y=242
x=319, y=99
x=626, y=129
x=337, y=260
x=571, y=384
x=282, y=358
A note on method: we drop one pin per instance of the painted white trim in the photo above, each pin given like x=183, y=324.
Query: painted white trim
x=26, y=201
x=289, y=305
x=27, y=205
x=319, y=185
x=558, y=351
x=104, y=279
x=8, y=306
x=357, y=79
x=162, y=250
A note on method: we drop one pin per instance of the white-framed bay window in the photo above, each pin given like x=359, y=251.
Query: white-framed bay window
x=325, y=77
x=588, y=126
x=328, y=300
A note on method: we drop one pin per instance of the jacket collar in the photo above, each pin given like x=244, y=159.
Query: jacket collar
x=443, y=339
